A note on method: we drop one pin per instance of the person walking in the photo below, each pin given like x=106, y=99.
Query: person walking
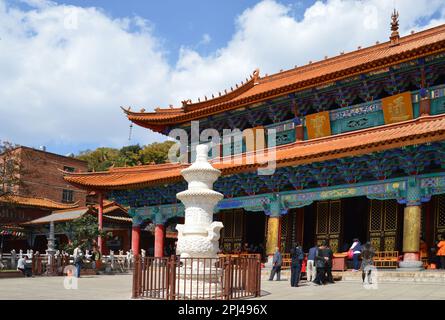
x=297, y=256
x=320, y=263
x=311, y=269
x=78, y=258
x=276, y=265
x=441, y=251
x=356, y=249
x=368, y=253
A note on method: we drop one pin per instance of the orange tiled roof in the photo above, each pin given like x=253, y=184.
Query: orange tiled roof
x=339, y=67
x=112, y=211
x=421, y=130
x=36, y=202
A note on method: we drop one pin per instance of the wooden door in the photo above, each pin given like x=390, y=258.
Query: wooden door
x=383, y=224
x=329, y=222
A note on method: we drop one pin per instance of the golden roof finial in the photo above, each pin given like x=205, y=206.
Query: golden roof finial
x=394, y=28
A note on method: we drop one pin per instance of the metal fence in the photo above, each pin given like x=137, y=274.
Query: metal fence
x=48, y=265
x=178, y=278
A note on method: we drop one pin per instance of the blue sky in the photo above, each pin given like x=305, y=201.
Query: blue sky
x=184, y=23
x=67, y=66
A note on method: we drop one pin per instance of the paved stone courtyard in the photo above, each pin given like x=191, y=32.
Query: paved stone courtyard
x=118, y=287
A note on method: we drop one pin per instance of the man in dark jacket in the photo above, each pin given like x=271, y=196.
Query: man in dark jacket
x=320, y=263
x=276, y=265
x=330, y=256
x=297, y=257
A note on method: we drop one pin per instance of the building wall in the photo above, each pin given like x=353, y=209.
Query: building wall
x=14, y=215
x=41, y=175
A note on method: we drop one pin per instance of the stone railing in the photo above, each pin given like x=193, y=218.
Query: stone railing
x=109, y=263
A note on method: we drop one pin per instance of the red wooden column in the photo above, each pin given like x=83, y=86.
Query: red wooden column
x=100, y=218
x=159, y=240
x=135, y=239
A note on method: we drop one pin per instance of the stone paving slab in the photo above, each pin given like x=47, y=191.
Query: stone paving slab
x=118, y=287
x=115, y=287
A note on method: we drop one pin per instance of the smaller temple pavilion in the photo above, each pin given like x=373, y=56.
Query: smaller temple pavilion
x=359, y=152
x=115, y=220
x=18, y=209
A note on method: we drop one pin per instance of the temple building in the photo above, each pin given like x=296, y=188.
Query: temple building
x=359, y=152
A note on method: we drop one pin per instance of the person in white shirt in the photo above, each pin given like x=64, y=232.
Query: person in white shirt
x=21, y=265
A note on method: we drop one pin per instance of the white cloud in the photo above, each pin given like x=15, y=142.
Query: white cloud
x=206, y=38
x=64, y=70
x=38, y=3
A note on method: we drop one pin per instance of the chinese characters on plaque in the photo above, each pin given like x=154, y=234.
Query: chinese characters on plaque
x=397, y=108
x=318, y=125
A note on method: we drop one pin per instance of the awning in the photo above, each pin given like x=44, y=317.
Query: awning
x=60, y=216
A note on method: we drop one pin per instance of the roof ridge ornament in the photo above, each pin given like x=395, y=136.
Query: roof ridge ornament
x=394, y=28
x=256, y=76
x=186, y=102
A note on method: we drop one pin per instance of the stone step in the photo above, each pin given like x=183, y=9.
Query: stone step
x=423, y=276
x=396, y=275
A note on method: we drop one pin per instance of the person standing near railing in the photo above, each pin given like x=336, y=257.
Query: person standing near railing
x=95, y=258
x=78, y=258
x=21, y=265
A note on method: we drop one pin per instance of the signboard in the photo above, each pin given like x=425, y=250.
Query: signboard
x=397, y=108
x=318, y=125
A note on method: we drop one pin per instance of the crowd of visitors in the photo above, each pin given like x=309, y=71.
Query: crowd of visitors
x=319, y=262
x=319, y=259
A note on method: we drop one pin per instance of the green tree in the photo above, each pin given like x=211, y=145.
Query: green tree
x=129, y=155
x=82, y=231
x=11, y=169
x=100, y=159
x=156, y=152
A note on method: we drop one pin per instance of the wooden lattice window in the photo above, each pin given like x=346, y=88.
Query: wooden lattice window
x=390, y=215
x=383, y=224
x=335, y=217
x=322, y=217
x=375, y=217
x=440, y=214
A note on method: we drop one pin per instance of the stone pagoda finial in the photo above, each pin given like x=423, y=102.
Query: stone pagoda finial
x=394, y=28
